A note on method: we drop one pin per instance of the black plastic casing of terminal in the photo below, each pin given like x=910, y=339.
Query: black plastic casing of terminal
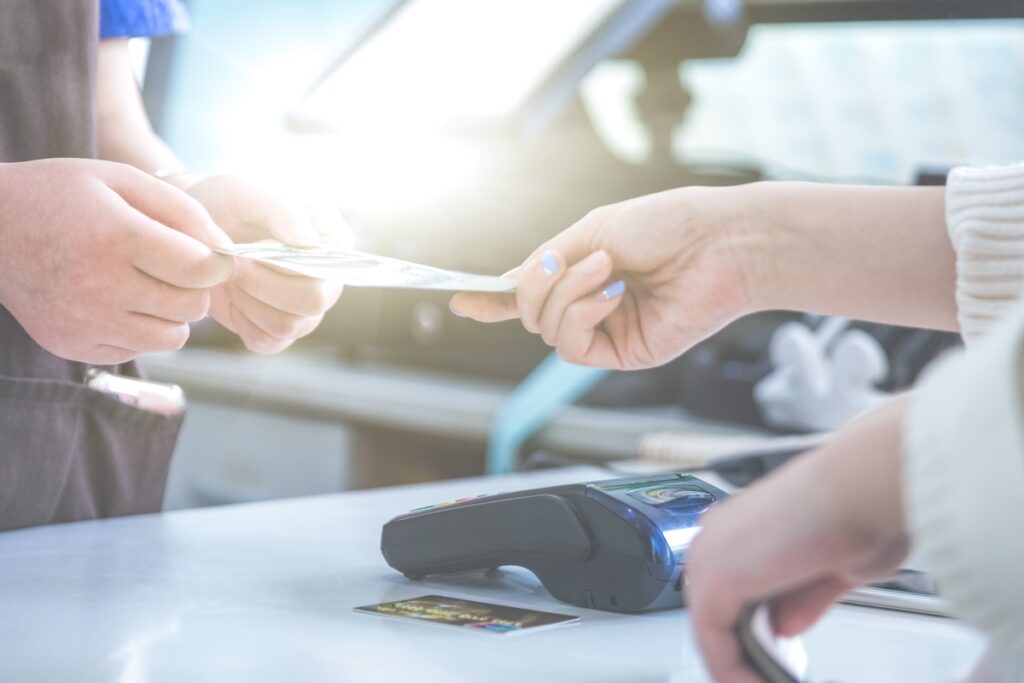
x=583, y=552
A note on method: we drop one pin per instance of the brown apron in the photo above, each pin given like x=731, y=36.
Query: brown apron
x=66, y=452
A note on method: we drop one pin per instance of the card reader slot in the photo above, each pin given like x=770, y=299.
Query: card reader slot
x=488, y=533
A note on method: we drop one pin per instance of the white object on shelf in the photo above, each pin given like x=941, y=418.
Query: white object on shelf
x=821, y=378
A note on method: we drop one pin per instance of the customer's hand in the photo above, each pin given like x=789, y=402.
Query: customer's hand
x=631, y=285
x=801, y=538
x=99, y=261
x=693, y=259
x=269, y=308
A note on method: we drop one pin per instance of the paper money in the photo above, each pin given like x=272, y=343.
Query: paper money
x=359, y=269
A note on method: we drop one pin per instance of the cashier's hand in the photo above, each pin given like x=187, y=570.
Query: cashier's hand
x=631, y=285
x=800, y=538
x=269, y=308
x=100, y=262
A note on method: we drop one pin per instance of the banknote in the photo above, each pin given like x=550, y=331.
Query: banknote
x=360, y=269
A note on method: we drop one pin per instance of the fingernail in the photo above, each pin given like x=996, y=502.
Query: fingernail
x=549, y=262
x=451, y=307
x=613, y=290
x=593, y=263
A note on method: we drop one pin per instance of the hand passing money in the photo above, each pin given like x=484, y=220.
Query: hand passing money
x=359, y=269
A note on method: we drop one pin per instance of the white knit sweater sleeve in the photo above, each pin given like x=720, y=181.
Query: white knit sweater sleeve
x=985, y=219
x=964, y=434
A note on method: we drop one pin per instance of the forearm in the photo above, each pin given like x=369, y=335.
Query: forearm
x=128, y=141
x=870, y=253
x=124, y=133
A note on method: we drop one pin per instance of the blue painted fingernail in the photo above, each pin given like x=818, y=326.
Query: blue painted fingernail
x=549, y=262
x=613, y=290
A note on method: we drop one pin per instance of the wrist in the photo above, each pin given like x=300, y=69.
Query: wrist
x=797, y=245
x=767, y=229
x=747, y=229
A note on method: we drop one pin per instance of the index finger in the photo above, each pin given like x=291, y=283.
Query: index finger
x=485, y=308
x=569, y=246
x=167, y=205
x=175, y=258
x=577, y=241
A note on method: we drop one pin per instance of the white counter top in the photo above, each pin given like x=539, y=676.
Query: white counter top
x=264, y=592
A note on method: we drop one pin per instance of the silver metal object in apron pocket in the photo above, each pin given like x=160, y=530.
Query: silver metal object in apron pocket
x=153, y=397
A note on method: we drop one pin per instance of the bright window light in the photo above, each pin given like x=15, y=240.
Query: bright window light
x=437, y=62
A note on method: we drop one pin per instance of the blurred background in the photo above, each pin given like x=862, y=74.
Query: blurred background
x=461, y=134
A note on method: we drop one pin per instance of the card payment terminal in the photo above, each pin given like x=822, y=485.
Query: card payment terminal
x=617, y=545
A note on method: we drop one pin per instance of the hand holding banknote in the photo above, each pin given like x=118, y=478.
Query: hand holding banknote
x=267, y=307
x=102, y=262
x=631, y=285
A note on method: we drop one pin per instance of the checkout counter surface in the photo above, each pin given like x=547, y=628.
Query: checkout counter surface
x=265, y=591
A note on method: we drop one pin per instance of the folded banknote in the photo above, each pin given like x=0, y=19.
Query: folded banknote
x=360, y=269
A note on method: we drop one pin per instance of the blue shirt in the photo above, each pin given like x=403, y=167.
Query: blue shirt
x=139, y=18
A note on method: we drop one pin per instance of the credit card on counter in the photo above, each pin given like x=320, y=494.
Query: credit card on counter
x=469, y=614
x=360, y=269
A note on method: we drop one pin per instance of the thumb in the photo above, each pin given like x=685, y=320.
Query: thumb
x=168, y=205
x=798, y=610
x=279, y=216
x=578, y=240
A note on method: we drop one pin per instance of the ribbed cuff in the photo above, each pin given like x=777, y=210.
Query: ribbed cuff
x=985, y=219
x=964, y=485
